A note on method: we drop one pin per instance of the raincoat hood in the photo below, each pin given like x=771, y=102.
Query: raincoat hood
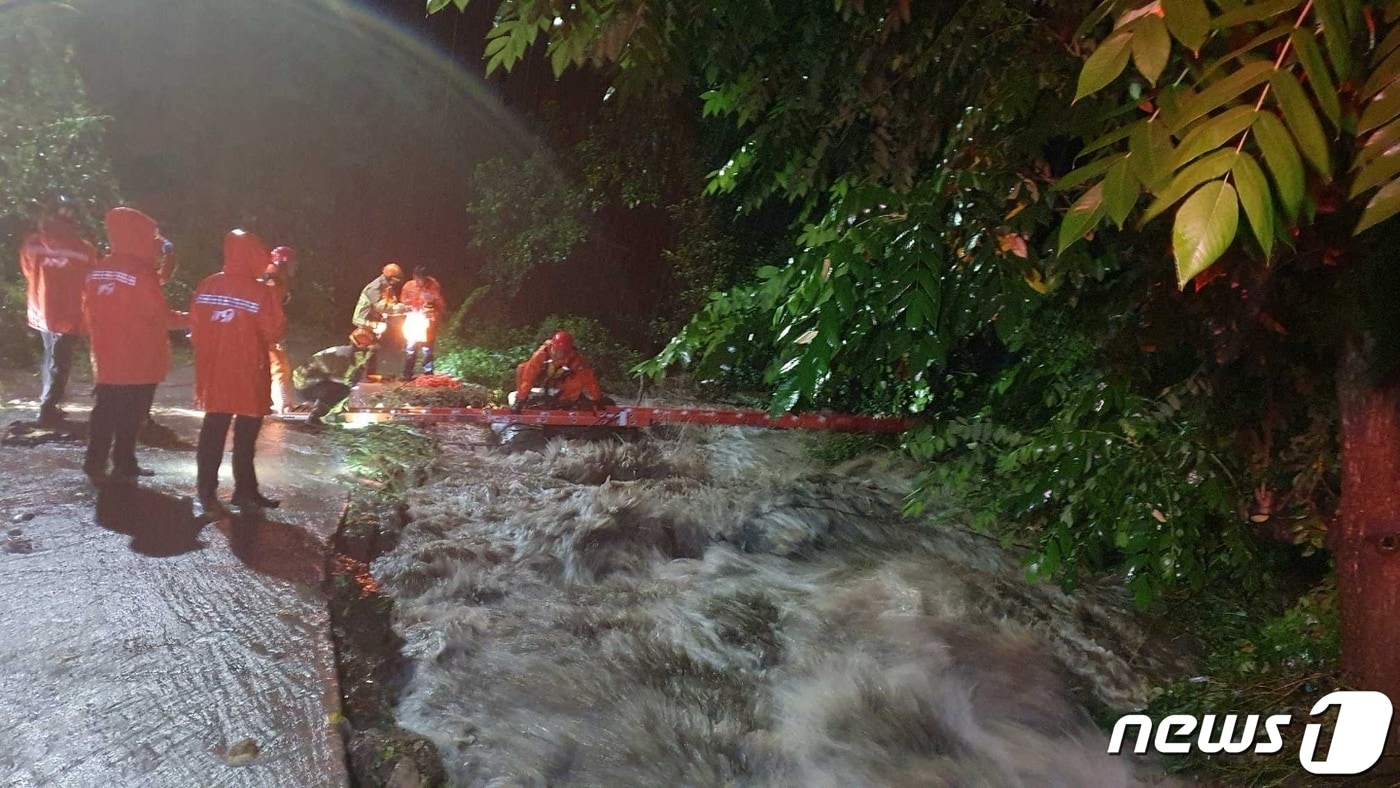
x=133, y=234
x=245, y=255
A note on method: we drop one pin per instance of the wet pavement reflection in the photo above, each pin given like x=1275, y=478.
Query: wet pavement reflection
x=143, y=646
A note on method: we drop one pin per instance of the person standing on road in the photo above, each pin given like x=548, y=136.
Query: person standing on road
x=235, y=320
x=278, y=276
x=129, y=324
x=421, y=295
x=55, y=262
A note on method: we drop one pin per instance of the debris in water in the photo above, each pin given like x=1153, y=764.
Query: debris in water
x=242, y=753
x=23, y=518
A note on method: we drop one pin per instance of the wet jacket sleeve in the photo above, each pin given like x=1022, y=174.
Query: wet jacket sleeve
x=529, y=372
x=586, y=380
x=368, y=297
x=27, y=263
x=272, y=321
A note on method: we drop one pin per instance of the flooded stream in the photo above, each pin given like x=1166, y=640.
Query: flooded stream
x=711, y=607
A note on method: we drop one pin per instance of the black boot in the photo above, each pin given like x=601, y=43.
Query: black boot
x=249, y=503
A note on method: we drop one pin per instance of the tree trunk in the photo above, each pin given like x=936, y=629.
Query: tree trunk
x=1366, y=537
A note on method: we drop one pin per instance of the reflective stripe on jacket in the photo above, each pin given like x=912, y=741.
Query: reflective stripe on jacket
x=124, y=307
x=55, y=262
x=234, y=321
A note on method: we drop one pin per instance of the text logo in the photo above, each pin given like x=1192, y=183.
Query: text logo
x=222, y=316
x=107, y=288
x=1363, y=723
x=54, y=262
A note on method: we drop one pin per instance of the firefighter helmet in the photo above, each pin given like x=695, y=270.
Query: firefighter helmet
x=562, y=343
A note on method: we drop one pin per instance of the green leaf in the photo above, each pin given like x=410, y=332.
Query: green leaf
x=1205, y=227
x=1302, y=121
x=1381, y=169
x=1082, y=216
x=1389, y=44
x=1378, y=144
x=1384, y=74
x=1212, y=166
x=1212, y=133
x=1384, y=205
x=435, y=6
x=1255, y=12
x=1382, y=109
x=1284, y=162
x=559, y=58
x=1100, y=12
x=1257, y=198
x=1189, y=21
x=1322, y=85
x=1088, y=172
x=1151, y=154
x=1334, y=32
x=1229, y=89
x=1104, y=66
x=1151, y=46
x=496, y=45
x=1249, y=51
x=1120, y=133
x=1120, y=193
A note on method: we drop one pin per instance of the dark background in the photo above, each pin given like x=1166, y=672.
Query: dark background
x=349, y=131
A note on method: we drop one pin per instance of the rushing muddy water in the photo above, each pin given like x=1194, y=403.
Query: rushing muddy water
x=709, y=607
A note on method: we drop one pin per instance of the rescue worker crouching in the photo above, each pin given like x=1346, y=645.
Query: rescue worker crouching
x=558, y=369
x=234, y=322
x=325, y=379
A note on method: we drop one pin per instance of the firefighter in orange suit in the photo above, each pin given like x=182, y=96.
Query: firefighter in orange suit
x=422, y=294
x=278, y=276
x=558, y=368
x=234, y=322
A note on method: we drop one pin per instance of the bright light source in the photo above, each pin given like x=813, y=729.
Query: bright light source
x=415, y=328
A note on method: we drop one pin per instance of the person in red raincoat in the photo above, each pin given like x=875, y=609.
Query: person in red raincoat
x=423, y=294
x=55, y=262
x=235, y=320
x=129, y=325
x=558, y=368
x=278, y=276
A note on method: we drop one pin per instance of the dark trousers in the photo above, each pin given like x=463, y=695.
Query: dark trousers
x=58, y=362
x=116, y=418
x=210, y=453
x=411, y=355
x=324, y=395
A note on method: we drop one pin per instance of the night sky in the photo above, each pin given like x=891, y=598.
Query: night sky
x=347, y=130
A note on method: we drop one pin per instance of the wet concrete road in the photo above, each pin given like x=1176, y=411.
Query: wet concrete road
x=138, y=647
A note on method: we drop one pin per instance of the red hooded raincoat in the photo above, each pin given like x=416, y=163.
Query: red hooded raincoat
x=125, y=308
x=56, y=262
x=234, y=321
